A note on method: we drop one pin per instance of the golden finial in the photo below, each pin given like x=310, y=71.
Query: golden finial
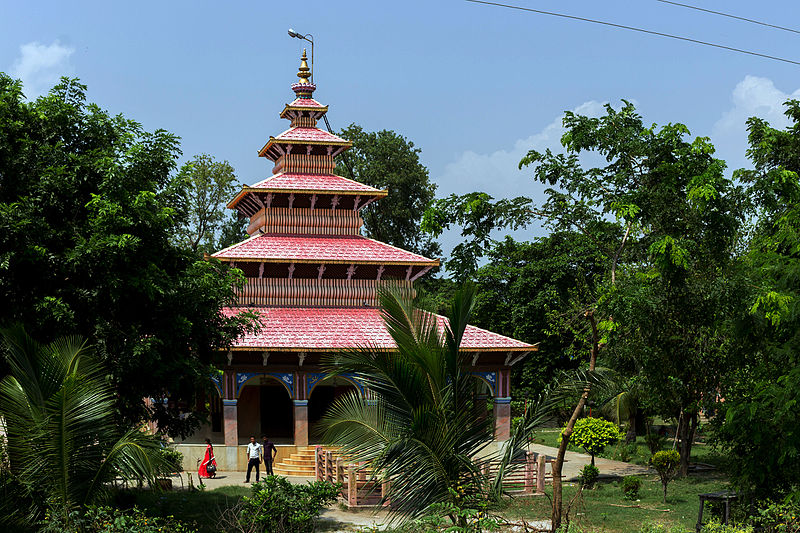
x=304, y=72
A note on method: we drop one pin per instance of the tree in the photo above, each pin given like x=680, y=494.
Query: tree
x=676, y=222
x=63, y=443
x=757, y=422
x=89, y=208
x=666, y=463
x=209, y=185
x=387, y=160
x=414, y=424
x=594, y=434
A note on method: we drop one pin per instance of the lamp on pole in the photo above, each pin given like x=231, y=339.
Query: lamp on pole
x=310, y=38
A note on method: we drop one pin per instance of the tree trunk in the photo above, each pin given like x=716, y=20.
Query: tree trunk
x=630, y=435
x=686, y=430
x=555, y=517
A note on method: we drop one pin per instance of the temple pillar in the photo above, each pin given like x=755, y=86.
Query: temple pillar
x=502, y=418
x=230, y=422
x=301, y=422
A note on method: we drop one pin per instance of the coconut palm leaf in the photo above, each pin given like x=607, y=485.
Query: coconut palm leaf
x=415, y=424
x=63, y=439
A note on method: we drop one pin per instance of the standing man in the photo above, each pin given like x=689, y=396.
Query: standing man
x=270, y=452
x=253, y=454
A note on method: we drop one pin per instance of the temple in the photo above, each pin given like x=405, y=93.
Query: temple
x=314, y=279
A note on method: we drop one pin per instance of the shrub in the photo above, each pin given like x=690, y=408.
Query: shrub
x=111, y=520
x=655, y=442
x=589, y=475
x=716, y=527
x=594, y=434
x=173, y=460
x=779, y=517
x=631, y=486
x=666, y=464
x=658, y=527
x=279, y=506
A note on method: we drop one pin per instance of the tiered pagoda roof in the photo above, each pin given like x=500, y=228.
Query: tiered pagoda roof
x=311, y=275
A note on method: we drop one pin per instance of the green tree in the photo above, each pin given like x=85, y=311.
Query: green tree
x=89, y=210
x=666, y=463
x=387, y=160
x=209, y=185
x=594, y=434
x=64, y=445
x=414, y=424
x=757, y=422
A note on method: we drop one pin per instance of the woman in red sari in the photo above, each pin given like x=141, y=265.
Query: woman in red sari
x=208, y=459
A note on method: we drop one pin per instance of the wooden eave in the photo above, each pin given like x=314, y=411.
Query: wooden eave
x=379, y=193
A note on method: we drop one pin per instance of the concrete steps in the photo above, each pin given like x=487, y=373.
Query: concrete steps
x=300, y=463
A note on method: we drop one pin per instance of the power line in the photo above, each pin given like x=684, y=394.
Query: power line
x=728, y=15
x=633, y=28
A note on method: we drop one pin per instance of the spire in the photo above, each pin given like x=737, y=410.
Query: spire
x=304, y=88
x=304, y=72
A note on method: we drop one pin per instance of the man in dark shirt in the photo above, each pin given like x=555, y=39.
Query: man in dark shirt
x=270, y=451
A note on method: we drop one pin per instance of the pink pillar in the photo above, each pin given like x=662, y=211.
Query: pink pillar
x=301, y=422
x=230, y=422
x=502, y=418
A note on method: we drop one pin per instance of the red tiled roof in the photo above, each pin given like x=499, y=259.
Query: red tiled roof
x=272, y=247
x=315, y=182
x=302, y=133
x=305, y=102
x=325, y=328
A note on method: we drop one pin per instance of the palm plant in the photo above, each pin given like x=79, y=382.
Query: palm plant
x=415, y=423
x=64, y=445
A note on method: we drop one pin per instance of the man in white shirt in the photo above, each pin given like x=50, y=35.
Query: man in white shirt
x=253, y=457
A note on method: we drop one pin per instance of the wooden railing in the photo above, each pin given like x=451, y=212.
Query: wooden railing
x=526, y=475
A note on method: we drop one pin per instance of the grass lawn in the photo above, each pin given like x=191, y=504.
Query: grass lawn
x=605, y=509
x=201, y=508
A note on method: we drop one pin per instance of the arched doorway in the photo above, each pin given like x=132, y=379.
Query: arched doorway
x=265, y=408
x=321, y=397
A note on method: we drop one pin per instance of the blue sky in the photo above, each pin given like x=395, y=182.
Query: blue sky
x=474, y=86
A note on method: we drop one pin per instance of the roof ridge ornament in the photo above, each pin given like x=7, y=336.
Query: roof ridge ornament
x=304, y=73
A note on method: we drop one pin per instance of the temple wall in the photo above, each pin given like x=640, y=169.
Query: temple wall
x=229, y=458
x=306, y=221
x=312, y=292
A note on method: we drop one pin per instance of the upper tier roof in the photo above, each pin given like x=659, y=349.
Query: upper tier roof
x=308, y=183
x=332, y=249
x=336, y=328
x=329, y=183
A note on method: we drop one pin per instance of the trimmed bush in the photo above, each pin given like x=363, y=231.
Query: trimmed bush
x=631, y=486
x=594, y=434
x=589, y=475
x=666, y=464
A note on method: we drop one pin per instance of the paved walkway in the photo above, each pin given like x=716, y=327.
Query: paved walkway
x=575, y=461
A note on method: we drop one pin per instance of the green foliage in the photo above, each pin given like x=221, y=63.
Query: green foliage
x=589, y=475
x=89, y=209
x=276, y=505
x=630, y=487
x=715, y=526
x=658, y=527
x=172, y=460
x=441, y=516
x=666, y=463
x=779, y=517
x=387, y=160
x=418, y=427
x=594, y=434
x=759, y=416
x=64, y=445
x=208, y=185
x=111, y=520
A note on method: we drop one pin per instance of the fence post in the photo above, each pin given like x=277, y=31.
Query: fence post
x=541, y=466
x=385, y=487
x=530, y=472
x=317, y=473
x=352, y=486
x=339, y=470
x=328, y=466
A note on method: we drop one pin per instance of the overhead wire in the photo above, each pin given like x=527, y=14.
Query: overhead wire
x=752, y=21
x=634, y=28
